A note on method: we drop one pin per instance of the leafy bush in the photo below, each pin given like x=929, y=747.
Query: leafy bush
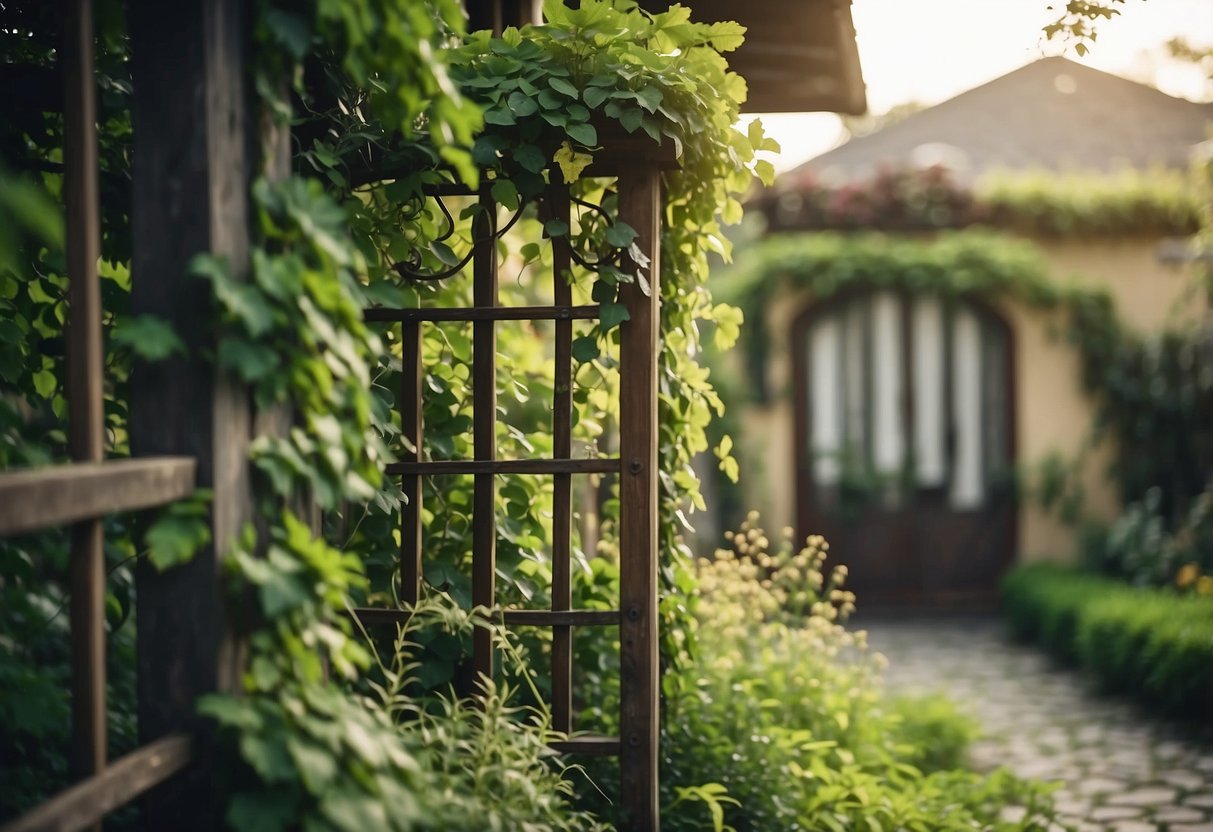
x=781, y=722
x=1153, y=643
x=1043, y=204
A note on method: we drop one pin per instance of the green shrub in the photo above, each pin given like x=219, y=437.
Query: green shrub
x=931, y=734
x=781, y=722
x=1153, y=643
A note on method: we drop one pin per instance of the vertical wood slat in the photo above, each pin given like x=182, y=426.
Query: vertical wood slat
x=84, y=394
x=484, y=432
x=639, y=206
x=562, y=448
x=411, y=429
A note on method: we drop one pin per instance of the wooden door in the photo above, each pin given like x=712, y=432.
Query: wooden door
x=905, y=446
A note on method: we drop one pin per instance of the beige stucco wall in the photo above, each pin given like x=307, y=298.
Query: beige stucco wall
x=1052, y=412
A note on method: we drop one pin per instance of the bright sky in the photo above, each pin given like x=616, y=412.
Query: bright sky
x=931, y=50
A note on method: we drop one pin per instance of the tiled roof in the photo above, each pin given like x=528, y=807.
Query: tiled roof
x=1052, y=114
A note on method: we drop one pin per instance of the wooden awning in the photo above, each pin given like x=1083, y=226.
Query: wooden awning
x=799, y=56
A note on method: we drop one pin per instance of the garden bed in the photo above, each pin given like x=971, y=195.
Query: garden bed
x=1155, y=644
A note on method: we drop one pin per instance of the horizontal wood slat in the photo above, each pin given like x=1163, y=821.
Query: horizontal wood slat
x=485, y=313
x=608, y=465
x=41, y=498
x=561, y=618
x=524, y=618
x=589, y=746
x=118, y=784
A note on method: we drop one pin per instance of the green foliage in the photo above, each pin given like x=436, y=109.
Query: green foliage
x=1044, y=204
x=783, y=712
x=954, y=264
x=931, y=734
x=1152, y=643
x=390, y=51
x=1156, y=202
x=180, y=530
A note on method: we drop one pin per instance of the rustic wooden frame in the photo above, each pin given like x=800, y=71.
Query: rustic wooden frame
x=637, y=167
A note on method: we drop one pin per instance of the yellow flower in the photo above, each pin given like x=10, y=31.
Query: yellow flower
x=1204, y=585
x=1187, y=575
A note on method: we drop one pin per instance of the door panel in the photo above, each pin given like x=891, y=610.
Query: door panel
x=904, y=408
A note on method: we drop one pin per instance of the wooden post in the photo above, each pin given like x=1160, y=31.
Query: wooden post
x=86, y=415
x=484, y=429
x=410, y=406
x=193, y=142
x=639, y=206
x=562, y=448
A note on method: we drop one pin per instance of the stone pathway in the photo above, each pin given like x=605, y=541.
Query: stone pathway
x=1121, y=770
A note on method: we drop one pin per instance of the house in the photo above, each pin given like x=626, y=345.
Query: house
x=912, y=382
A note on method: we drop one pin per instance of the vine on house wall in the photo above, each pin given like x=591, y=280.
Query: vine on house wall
x=1154, y=393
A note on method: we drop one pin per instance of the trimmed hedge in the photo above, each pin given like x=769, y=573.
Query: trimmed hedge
x=1152, y=643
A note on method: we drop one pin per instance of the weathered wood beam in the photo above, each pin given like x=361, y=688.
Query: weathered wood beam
x=83, y=805
x=195, y=141
x=640, y=207
x=41, y=498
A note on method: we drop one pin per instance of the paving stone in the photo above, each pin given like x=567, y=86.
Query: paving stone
x=1186, y=780
x=1122, y=771
x=1150, y=796
x=1178, y=814
x=1134, y=826
x=1101, y=785
x=1108, y=813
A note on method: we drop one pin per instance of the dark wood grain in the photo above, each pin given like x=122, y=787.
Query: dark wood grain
x=194, y=139
x=484, y=430
x=606, y=465
x=562, y=484
x=562, y=311
x=86, y=416
x=639, y=206
x=40, y=498
x=410, y=406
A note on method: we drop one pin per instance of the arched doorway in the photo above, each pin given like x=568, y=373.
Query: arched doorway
x=905, y=444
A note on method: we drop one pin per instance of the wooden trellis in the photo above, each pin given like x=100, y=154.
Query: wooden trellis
x=637, y=165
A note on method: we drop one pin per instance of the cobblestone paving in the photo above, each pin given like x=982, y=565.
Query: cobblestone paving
x=1121, y=770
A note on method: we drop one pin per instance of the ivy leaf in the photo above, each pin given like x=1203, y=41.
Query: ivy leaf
x=612, y=315
x=522, y=105
x=499, y=115
x=505, y=194
x=583, y=134
x=585, y=348
x=594, y=96
x=530, y=157
x=444, y=253
x=44, y=383
x=621, y=235
x=561, y=85
x=180, y=531
x=726, y=36
x=555, y=228
x=149, y=337
x=571, y=162
x=649, y=98
x=549, y=100
x=631, y=119
x=251, y=361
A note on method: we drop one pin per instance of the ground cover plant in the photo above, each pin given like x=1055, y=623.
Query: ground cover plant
x=1155, y=644
x=782, y=723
